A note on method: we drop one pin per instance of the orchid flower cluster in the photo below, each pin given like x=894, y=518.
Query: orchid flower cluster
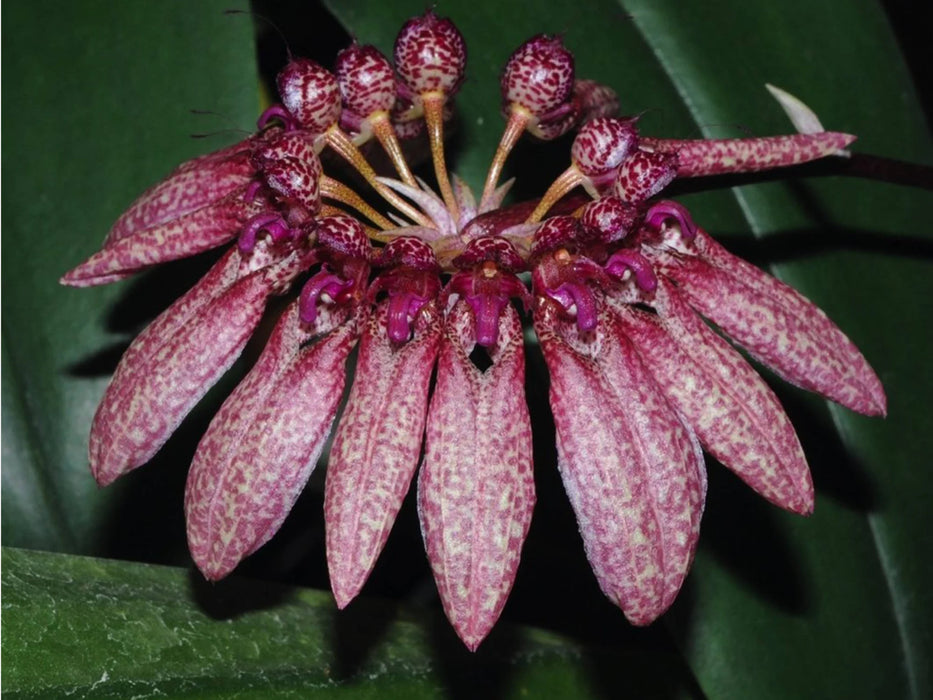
x=617, y=284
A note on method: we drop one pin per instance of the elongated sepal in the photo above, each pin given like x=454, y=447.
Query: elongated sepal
x=181, y=237
x=776, y=324
x=736, y=416
x=698, y=157
x=171, y=365
x=377, y=445
x=633, y=472
x=263, y=444
x=191, y=186
x=475, y=488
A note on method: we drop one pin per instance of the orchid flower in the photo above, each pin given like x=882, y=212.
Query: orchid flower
x=617, y=282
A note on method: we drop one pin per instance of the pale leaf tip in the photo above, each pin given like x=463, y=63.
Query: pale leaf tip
x=803, y=118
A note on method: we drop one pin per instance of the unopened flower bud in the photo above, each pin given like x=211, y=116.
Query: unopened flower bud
x=490, y=248
x=538, y=76
x=609, y=218
x=644, y=174
x=344, y=235
x=291, y=168
x=602, y=145
x=555, y=233
x=366, y=80
x=430, y=55
x=596, y=99
x=310, y=94
x=410, y=252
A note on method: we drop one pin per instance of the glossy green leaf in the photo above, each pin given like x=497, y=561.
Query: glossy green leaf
x=777, y=606
x=81, y=627
x=99, y=106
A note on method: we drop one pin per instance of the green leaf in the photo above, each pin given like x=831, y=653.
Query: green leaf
x=777, y=606
x=100, y=99
x=94, y=628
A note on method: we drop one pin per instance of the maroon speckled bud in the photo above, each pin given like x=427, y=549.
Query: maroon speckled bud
x=430, y=54
x=310, y=94
x=408, y=129
x=555, y=233
x=291, y=168
x=410, y=252
x=343, y=235
x=538, y=76
x=602, y=145
x=609, y=218
x=366, y=80
x=644, y=174
x=491, y=248
x=562, y=120
x=596, y=99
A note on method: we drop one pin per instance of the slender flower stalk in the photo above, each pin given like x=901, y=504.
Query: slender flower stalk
x=617, y=283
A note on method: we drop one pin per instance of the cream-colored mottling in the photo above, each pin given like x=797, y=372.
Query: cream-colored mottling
x=475, y=489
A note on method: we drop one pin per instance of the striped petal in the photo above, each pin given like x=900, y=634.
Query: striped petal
x=634, y=473
x=736, y=416
x=699, y=157
x=181, y=237
x=476, y=489
x=775, y=323
x=376, y=448
x=191, y=186
x=263, y=444
x=170, y=367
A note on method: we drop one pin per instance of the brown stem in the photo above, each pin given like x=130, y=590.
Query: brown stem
x=434, y=117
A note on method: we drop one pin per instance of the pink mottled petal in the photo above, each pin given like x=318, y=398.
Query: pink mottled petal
x=192, y=186
x=376, y=448
x=475, y=489
x=235, y=418
x=263, y=445
x=778, y=326
x=698, y=157
x=732, y=410
x=181, y=237
x=217, y=279
x=163, y=375
x=634, y=473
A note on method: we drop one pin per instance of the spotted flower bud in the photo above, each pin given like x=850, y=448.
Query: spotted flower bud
x=310, y=94
x=644, y=174
x=430, y=55
x=596, y=99
x=555, y=233
x=602, y=145
x=538, y=76
x=292, y=169
x=366, y=80
x=609, y=218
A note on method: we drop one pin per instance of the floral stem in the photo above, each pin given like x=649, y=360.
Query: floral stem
x=339, y=192
x=565, y=182
x=434, y=117
x=515, y=127
x=384, y=131
x=341, y=143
